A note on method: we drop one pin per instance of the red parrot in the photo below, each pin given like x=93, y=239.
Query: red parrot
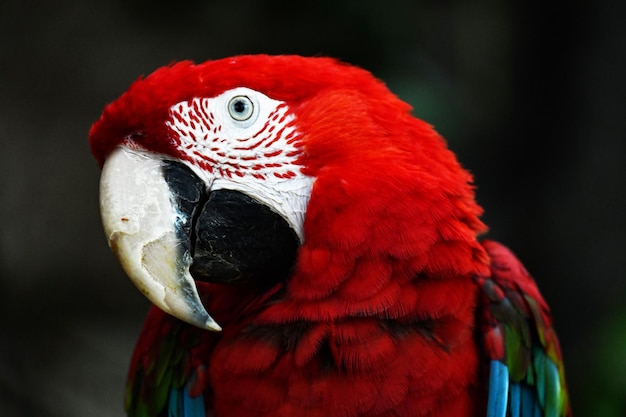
x=332, y=236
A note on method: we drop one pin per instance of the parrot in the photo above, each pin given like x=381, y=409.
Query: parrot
x=311, y=248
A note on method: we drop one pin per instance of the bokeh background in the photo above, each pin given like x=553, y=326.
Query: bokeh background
x=530, y=95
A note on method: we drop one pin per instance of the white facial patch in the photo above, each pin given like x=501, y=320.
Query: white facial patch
x=245, y=141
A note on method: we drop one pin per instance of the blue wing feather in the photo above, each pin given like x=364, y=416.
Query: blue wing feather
x=194, y=407
x=181, y=404
x=498, y=389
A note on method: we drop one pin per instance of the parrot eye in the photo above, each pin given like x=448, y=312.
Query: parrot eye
x=240, y=108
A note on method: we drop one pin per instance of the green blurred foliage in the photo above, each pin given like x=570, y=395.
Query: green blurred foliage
x=605, y=393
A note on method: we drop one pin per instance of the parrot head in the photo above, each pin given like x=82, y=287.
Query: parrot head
x=258, y=170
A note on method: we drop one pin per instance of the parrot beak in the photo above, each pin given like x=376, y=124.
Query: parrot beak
x=168, y=227
x=145, y=226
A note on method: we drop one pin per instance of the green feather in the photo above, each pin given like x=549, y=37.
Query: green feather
x=163, y=359
x=162, y=391
x=514, y=353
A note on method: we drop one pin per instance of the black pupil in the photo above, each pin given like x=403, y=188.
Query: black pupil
x=239, y=106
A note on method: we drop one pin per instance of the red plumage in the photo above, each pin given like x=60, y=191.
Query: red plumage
x=379, y=317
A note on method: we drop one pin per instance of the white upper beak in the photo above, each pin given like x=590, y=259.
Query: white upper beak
x=139, y=222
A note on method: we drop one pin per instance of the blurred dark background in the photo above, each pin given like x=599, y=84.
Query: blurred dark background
x=531, y=96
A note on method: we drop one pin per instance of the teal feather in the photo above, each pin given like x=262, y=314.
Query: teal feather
x=514, y=403
x=175, y=405
x=528, y=402
x=538, y=411
x=539, y=364
x=552, y=389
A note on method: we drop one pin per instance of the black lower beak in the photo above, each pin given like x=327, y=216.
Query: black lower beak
x=231, y=237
